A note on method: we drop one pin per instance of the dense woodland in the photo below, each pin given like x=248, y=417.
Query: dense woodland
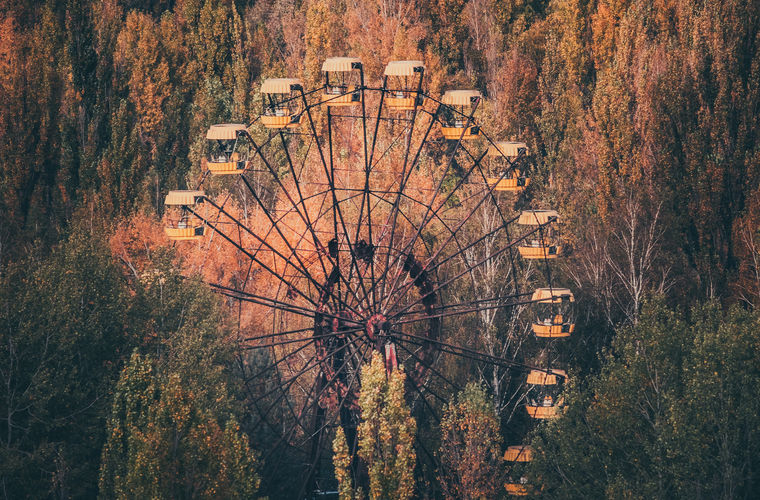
x=118, y=366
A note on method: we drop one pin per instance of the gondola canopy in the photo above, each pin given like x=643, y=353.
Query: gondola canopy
x=403, y=81
x=457, y=109
x=282, y=104
x=227, y=151
x=343, y=77
x=180, y=227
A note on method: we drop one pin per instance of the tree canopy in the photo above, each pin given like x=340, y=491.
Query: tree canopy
x=119, y=373
x=670, y=413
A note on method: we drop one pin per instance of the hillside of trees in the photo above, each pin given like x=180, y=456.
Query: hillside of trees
x=119, y=369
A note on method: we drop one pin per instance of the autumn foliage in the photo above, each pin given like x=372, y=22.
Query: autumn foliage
x=385, y=438
x=471, y=463
x=641, y=120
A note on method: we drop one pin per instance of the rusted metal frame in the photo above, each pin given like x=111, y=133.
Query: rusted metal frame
x=434, y=117
x=469, y=269
x=331, y=180
x=277, y=304
x=426, y=220
x=404, y=178
x=252, y=257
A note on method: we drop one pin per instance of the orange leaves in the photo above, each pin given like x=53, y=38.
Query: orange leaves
x=514, y=100
x=135, y=241
x=470, y=447
x=7, y=48
x=380, y=31
x=137, y=54
x=604, y=24
x=324, y=37
x=140, y=238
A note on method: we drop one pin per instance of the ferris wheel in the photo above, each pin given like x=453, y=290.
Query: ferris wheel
x=379, y=220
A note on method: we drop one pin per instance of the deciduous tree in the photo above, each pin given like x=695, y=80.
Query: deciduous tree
x=386, y=436
x=166, y=442
x=63, y=331
x=471, y=463
x=670, y=414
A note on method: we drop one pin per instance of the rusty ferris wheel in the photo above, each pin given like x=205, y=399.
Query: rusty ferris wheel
x=382, y=225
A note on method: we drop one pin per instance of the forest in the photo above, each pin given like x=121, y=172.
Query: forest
x=257, y=359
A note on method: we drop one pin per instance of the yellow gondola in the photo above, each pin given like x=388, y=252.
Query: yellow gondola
x=502, y=158
x=542, y=244
x=227, y=154
x=458, y=106
x=516, y=484
x=403, y=81
x=553, y=309
x=544, y=399
x=343, y=76
x=178, y=203
x=282, y=103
